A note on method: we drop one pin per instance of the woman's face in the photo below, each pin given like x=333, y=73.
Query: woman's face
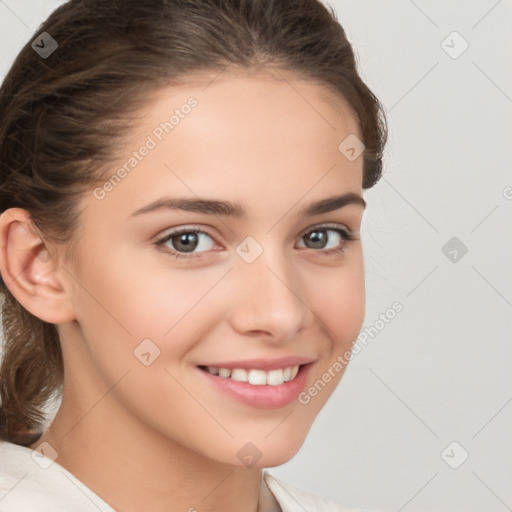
x=256, y=285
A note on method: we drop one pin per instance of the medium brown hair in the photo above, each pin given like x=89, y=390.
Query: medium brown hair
x=62, y=119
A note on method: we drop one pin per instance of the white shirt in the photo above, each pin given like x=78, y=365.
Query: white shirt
x=31, y=482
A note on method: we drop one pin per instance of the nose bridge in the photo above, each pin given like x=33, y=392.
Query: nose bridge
x=269, y=294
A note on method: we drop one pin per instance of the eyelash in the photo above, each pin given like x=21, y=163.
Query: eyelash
x=346, y=235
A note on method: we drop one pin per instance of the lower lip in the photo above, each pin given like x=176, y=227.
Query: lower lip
x=265, y=397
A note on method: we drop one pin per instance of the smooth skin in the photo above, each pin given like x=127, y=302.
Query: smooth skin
x=158, y=437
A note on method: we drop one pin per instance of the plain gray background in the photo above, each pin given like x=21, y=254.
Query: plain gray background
x=432, y=387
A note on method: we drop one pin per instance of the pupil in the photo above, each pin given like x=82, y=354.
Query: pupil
x=318, y=236
x=187, y=245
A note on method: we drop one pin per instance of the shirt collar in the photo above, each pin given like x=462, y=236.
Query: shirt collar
x=267, y=502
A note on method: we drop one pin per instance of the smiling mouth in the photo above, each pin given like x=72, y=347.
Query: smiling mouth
x=255, y=376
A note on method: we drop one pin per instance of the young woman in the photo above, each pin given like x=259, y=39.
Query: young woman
x=181, y=197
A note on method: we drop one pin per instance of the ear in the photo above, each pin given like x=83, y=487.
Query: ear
x=30, y=269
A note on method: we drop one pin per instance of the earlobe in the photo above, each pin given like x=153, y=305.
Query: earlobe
x=29, y=268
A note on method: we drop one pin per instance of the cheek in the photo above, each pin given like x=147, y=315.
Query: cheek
x=339, y=300
x=123, y=301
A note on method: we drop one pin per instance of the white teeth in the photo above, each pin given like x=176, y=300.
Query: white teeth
x=239, y=374
x=275, y=377
x=224, y=372
x=256, y=377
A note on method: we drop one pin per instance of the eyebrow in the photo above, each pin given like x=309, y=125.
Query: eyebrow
x=227, y=208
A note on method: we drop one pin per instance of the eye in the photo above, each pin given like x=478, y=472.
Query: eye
x=319, y=239
x=185, y=241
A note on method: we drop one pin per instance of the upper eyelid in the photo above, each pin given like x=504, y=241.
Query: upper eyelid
x=187, y=228
x=327, y=225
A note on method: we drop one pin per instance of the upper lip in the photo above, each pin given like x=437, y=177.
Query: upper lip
x=262, y=363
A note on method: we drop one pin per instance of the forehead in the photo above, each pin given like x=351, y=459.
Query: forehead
x=263, y=100
x=240, y=136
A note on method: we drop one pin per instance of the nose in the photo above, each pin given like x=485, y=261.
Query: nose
x=269, y=296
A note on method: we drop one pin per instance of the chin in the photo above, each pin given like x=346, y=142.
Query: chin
x=276, y=459
x=278, y=452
